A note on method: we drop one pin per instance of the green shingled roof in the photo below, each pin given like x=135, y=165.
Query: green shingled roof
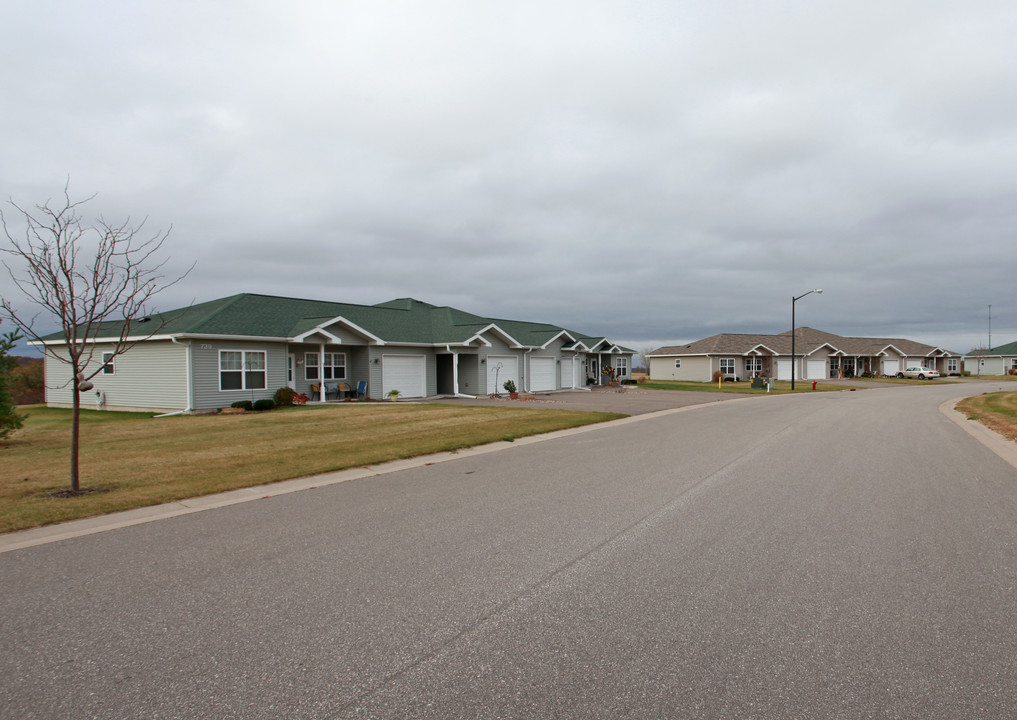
x=403, y=320
x=1008, y=349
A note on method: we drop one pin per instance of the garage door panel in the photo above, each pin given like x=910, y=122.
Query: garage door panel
x=405, y=373
x=499, y=369
x=542, y=374
x=815, y=370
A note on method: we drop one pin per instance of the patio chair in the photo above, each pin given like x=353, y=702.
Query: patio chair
x=331, y=387
x=362, y=389
x=315, y=391
x=344, y=390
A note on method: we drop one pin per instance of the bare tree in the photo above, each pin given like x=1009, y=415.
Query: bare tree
x=90, y=278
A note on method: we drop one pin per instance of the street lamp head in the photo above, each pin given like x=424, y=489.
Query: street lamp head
x=818, y=291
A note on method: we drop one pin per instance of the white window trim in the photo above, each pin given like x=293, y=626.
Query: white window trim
x=730, y=363
x=109, y=363
x=243, y=370
x=620, y=371
x=333, y=366
x=677, y=363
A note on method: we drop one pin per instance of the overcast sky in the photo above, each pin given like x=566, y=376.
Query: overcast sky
x=657, y=172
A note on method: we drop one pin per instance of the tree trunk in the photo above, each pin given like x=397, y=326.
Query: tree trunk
x=75, y=416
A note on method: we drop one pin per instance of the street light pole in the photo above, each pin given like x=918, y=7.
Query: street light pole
x=793, y=301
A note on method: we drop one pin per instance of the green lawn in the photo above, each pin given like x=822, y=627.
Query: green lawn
x=135, y=459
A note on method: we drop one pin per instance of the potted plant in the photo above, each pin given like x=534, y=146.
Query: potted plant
x=510, y=388
x=393, y=395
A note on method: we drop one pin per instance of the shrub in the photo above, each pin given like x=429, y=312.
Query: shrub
x=284, y=396
x=243, y=405
x=264, y=404
x=717, y=374
x=300, y=399
x=510, y=386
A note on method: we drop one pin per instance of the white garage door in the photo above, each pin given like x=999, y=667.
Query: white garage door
x=499, y=369
x=405, y=373
x=542, y=374
x=783, y=369
x=815, y=370
x=891, y=367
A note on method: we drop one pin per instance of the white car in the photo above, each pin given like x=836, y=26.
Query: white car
x=919, y=372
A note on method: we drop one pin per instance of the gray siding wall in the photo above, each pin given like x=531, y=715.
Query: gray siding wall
x=205, y=358
x=469, y=374
x=151, y=375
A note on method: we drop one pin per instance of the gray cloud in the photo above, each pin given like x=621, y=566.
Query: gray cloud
x=656, y=172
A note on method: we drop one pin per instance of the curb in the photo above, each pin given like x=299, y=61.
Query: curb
x=1005, y=449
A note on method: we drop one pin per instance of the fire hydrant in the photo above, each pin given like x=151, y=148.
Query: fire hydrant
x=813, y=384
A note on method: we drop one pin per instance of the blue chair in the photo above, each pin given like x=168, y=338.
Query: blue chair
x=362, y=389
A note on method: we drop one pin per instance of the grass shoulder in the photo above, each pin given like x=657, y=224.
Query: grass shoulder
x=997, y=411
x=131, y=460
x=780, y=387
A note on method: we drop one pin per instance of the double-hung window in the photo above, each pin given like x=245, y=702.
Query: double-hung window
x=107, y=363
x=753, y=365
x=727, y=366
x=677, y=363
x=242, y=370
x=951, y=365
x=621, y=367
x=333, y=366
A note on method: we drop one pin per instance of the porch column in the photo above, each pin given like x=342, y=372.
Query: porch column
x=455, y=373
x=321, y=372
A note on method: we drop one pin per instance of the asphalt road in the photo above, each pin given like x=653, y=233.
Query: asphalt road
x=838, y=555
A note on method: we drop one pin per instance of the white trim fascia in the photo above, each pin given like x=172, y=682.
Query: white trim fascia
x=513, y=343
x=339, y=319
x=755, y=349
x=169, y=336
x=580, y=346
x=563, y=332
x=895, y=349
x=302, y=337
x=820, y=347
x=466, y=343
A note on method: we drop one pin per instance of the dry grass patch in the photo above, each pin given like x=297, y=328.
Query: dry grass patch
x=744, y=387
x=131, y=460
x=997, y=411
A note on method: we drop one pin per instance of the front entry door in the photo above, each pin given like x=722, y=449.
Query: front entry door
x=291, y=372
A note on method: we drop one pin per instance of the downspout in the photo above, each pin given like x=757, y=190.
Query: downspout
x=189, y=378
x=526, y=368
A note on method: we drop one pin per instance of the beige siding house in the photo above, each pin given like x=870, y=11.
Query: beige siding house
x=818, y=355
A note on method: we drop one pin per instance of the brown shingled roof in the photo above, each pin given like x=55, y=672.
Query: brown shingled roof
x=807, y=340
